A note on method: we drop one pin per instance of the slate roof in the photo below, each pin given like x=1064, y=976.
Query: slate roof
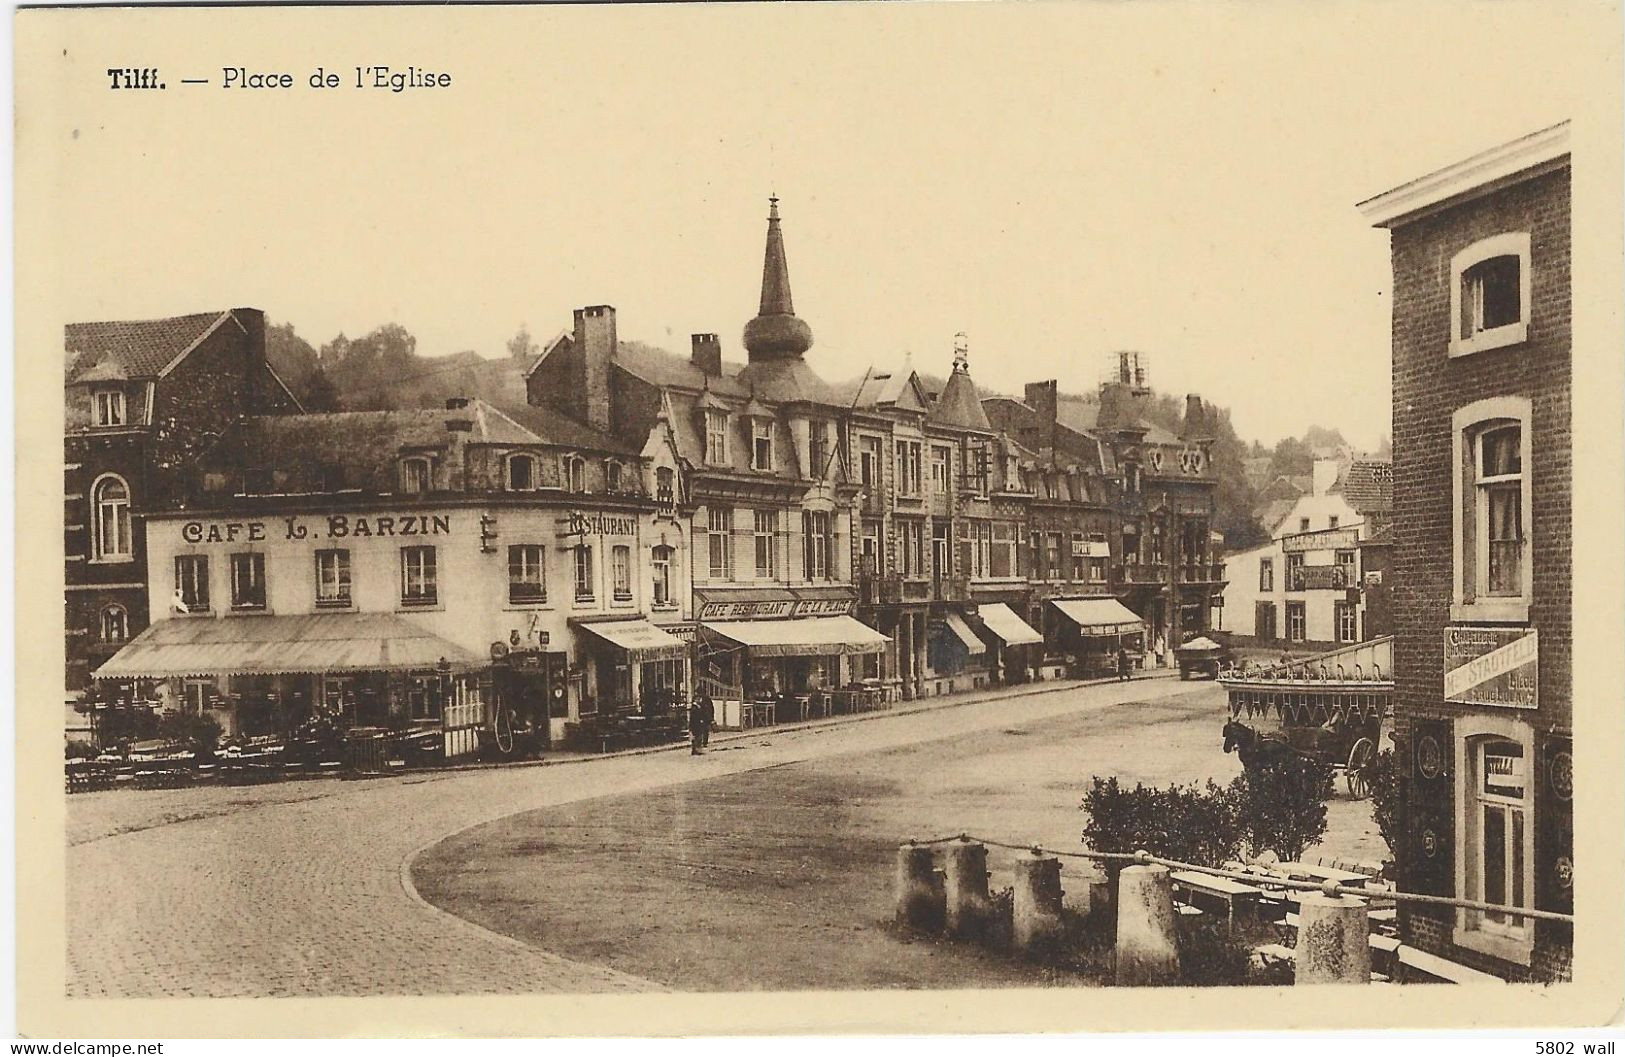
x=662, y=368
x=959, y=405
x=126, y=349
x=548, y=426
x=1368, y=485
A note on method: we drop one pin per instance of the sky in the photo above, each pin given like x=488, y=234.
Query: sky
x=1057, y=181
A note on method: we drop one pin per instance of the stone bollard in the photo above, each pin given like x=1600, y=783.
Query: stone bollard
x=1333, y=940
x=919, y=896
x=1147, y=947
x=1036, y=905
x=965, y=880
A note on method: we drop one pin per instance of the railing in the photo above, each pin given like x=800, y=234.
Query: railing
x=951, y=589
x=1320, y=578
x=1201, y=572
x=1142, y=573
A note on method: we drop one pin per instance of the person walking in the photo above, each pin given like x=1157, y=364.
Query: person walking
x=699, y=723
x=1122, y=662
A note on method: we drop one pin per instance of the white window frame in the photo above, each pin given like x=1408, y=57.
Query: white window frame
x=719, y=542
x=716, y=437
x=573, y=474
x=1266, y=574
x=121, y=549
x=660, y=560
x=620, y=568
x=407, y=464
x=1507, y=244
x=428, y=574
x=344, y=587
x=1302, y=611
x=586, y=587
x=1508, y=942
x=765, y=543
x=109, y=409
x=1467, y=425
x=761, y=445
x=532, y=557
x=614, y=475
x=818, y=544
x=258, y=579
x=1345, y=613
x=909, y=468
x=941, y=468
x=515, y=458
x=199, y=562
x=110, y=612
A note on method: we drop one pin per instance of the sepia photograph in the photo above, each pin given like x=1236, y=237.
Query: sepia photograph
x=693, y=507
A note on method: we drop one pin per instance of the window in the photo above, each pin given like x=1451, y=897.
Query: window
x=870, y=549
x=1053, y=569
x=719, y=542
x=911, y=547
x=620, y=567
x=416, y=477
x=522, y=476
x=1303, y=524
x=1294, y=572
x=660, y=568
x=869, y=464
x=939, y=468
x=818, y=539
x=1494, y=861
x=1346, y=629
x=419, y=586
x=1266, y=574
x=115, y=625
x=1347, y=576
x=333, y=578
x=1332, y=521
x=1079, y=556
x=1295, y=627
x=761, y=444
x=1493, y=578
x=573, y=473
x=976, y=464
x=716, y=438
x=199, y=694
x=818, y=450
x=248, y=581
x=612, y=475
x=766, y=541
x=109, y=408
x=527, y=574
x=1264, y=620
x=110, y=501
x=1489, y=294
x=908, y=467
x=192, y=583
x=666, y=486
x=585, y=588
x=1003, y=540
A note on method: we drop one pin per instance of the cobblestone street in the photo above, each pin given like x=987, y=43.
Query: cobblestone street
x=299, y=889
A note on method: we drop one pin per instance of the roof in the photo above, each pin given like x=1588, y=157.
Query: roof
x=1368, y=485
x=1472, y=177
x=1275, y=512
x=547, y=426
x=127, y=349
x=664, y=369
x=314, y=642
x=1083, y=416
x=959, y=405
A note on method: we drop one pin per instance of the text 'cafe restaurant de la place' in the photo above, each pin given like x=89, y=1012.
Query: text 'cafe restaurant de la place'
x=426, y=609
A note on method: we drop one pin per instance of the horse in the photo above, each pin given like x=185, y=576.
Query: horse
x=1255, y=749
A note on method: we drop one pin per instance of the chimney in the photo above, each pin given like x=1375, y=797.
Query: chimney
x=595, y=344
x=707, y=353
x=1125, y=373
x=1195, y=426
x=459, y=418
x=1044, y=398
x=256, y=395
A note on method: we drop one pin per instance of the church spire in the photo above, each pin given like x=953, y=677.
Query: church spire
x=776, y=333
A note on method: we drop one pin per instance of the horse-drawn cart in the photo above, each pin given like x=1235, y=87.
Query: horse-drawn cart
x=1329, y=708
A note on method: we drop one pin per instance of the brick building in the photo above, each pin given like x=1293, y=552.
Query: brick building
x=1482, y=550
x=145, y=399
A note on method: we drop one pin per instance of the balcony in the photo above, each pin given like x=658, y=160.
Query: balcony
x=1142, y=573
x=887, y=589
x=1201, y=573
x=950, y=589
x=1320, y=578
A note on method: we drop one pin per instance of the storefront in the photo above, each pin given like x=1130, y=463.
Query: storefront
x=956, y=657
x=631, y=666
x=1090, y=632
x=1013, y=642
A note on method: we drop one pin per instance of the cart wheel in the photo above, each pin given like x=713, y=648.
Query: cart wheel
x=1363, y=751
x=1359, y=788
x=504, y=731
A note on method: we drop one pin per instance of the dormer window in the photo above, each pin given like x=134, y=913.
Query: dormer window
x=666, y=485
x=416, y=475
x=109, y=408
x=716, y=438
x=1490, y=294
x=761, y=444
x=613, y=475
x=574, y=473
x=522, y=475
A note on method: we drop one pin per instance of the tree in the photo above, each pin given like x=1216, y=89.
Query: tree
x=320, y=394
x=1282, y=805
x=521, y=347
x=1291, y=458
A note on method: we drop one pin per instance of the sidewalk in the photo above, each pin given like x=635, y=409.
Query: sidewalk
x=901, y=708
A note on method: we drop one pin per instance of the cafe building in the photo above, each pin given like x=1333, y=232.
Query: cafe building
x=471, y=569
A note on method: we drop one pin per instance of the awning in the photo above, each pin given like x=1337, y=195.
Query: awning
x=1002, y=621
x=1100, y=616
x=810, y=636
x=639, y=638
x=961, y=631
x=271, y=645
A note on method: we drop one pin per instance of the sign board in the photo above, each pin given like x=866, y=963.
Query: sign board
x=775, y=609
x=331, y=526
x=1503, y=774
x=581, y=523
x=1323, y=578
x=1491, y=666
x=1373, y=578
x=1323, y=540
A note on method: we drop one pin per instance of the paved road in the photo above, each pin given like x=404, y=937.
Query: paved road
x=298, y=889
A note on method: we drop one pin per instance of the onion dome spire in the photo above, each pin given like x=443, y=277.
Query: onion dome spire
x=776, y=333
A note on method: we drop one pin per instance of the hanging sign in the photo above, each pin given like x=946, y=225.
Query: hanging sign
x=1491, y=666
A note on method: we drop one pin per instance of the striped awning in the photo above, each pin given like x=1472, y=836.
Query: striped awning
x=641, y=640
x=1099, y=616
x=804, y=637
x=960, y=630
x=1010, y=629
x=282, y=645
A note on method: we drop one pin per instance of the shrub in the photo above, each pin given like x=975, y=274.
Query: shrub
x=1211, y=955
x=202, y=733
x=123, y=723
x=1282, y=807
x=81, y=750
x=1194, y=824
x=1383, y=777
